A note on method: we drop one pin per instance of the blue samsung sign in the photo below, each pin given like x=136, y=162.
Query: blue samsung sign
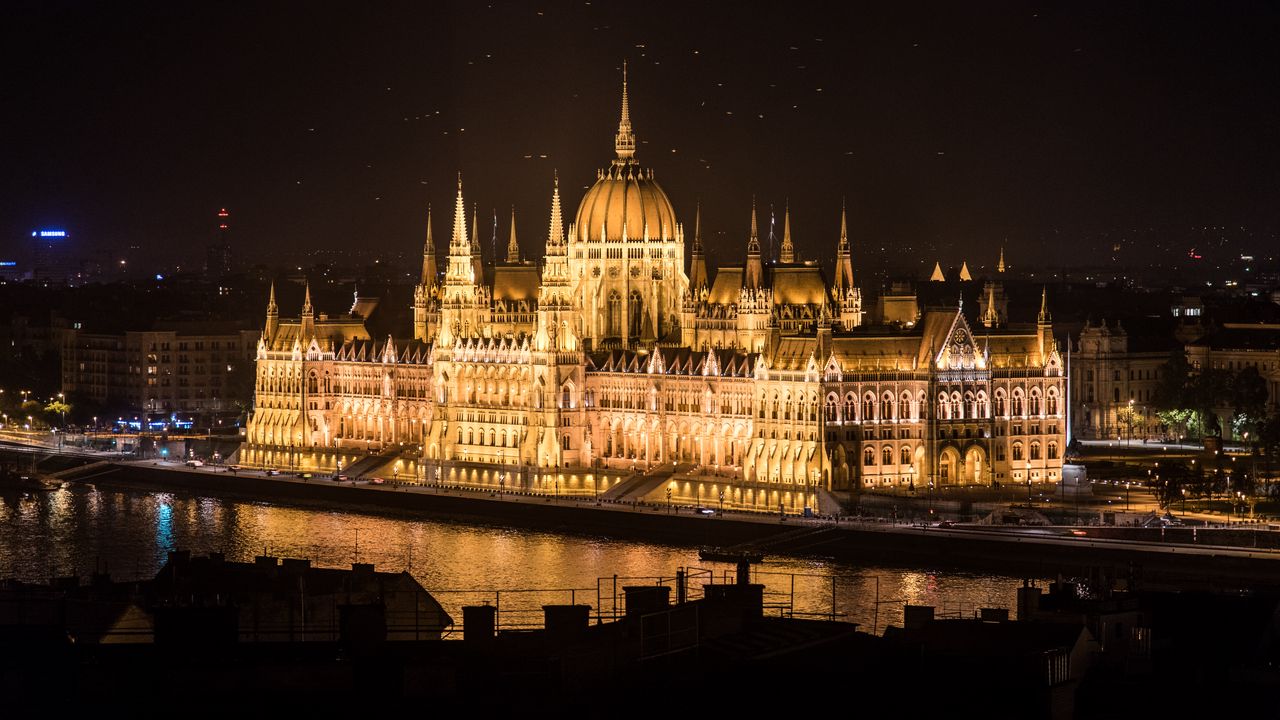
x=49, y=233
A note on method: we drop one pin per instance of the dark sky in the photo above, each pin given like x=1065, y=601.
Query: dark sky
x=327, y=125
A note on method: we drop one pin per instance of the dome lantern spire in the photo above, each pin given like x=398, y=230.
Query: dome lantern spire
x=625, y=141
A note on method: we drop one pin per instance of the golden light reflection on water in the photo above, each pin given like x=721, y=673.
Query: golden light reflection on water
x=129, y=533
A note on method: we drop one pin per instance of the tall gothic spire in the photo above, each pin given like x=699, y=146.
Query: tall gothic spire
x=698, y=263
x=475, y=228
x=697, y=228
x=513, y=247
x=1044, y=305
x=273, y=315
x=458, y=244
x=428, y=255
x=844, y=257
x=555, y=232
x=788, y=252
x=625, y=141
x=843, y=247
x=753, y=278
x=477, y=259
x=1000, y=265
x=308, y=319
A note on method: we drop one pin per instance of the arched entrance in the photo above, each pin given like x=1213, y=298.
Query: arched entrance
x=839, y=469
x=949, y=466
x=975, y=466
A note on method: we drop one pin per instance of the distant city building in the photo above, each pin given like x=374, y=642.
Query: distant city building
x=11, y=270
x=756, y=387
x=51, y=257
x=218, y=261
x=1114, y=382
x=188, y=367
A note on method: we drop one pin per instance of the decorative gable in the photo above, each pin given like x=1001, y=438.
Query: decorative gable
x=832, y=372
x=959, y=350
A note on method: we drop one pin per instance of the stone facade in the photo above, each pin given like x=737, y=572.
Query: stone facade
x=758, y=387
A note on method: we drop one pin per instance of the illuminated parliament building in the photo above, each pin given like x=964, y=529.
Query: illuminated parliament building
x=618, y=368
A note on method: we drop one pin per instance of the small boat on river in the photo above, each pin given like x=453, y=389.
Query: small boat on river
x=729, y=555
x=28, y=482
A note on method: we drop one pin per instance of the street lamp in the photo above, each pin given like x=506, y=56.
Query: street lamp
x=1028, y=484
x=1126, y=496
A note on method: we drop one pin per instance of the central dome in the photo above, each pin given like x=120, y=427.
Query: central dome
x=624, y=196
x=625, y=199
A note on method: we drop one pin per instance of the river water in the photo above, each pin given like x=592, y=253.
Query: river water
x=129, y=533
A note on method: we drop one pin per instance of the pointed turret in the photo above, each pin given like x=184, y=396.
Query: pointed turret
x=556, y=316
x=788, y=252
x=698, y=262
x=964, y=272
x=458, y=244
x=428, y=256
x=273, y=315
x=990, y=306
x=513, y=247
x=477, y=260
x=937, y=275
x=625, y=141
x=555, y=232
x=308, y=315
x=1044, y=327
x=1000, y=265
x=754, y=276
x=844, y=257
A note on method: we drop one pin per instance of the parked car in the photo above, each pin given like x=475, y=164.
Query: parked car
x=195, y=463
x=704, y=511
x=273, y=471
x=377, y=480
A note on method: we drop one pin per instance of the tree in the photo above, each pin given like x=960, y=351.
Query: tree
x=1174, y=380
x=1249, y=401
x=58, y=410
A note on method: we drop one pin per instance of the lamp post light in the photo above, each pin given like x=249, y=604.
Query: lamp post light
x=1028, y=468
x=1126, y=496
x=1129, y=424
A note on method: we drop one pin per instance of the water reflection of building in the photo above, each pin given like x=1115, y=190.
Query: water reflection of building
x=757, y=386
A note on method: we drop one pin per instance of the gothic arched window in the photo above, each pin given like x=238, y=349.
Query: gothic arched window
x=613, y=326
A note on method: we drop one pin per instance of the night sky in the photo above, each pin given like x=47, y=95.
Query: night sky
x=326, y=125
